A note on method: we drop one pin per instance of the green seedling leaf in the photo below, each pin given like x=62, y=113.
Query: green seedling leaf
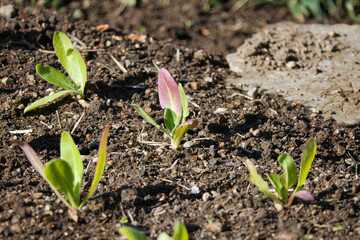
x=37, y=164
x=132, y=233
x=70, y=154
x=59, y=173
x=149, y=119
x=288, y=178
x=275, y=181
x=54, y=76
x=62, y=45
x=184, y=102
x=180, y=131
x=170, y=119
x=180, y=232
x=258, y=181
x=306, y=162
x=76, y=69
x=100, y=164
x=47, y=99
x=164, y=236
x=169, y=94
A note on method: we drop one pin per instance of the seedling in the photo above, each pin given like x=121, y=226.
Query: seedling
x=65, y=174
x=180, y=233
x=173, y=99
x=288, y=178
x=74, y=66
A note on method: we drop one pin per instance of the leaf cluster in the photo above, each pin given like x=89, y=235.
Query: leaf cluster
x=287, y=178
x=173, y=99
x=65, y=174
x=180, y=233
x=74, y=65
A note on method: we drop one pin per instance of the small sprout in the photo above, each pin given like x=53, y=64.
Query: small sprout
x=65, y=174
x=74, y=66
x=180, y=233
x=288, y=178
x=173, y=99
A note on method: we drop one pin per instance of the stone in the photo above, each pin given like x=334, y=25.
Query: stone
x=314, y=65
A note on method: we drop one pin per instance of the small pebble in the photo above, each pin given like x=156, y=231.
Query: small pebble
x=188, y=144
x=200, y=55
x=214, y=227
x=213, y=162
x=206, y=196
x=195, y=189
x=221, y=110
x=208, y=79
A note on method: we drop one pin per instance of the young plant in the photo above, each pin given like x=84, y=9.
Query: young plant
x=173, y=99
x=288, y=178
x=180, y=233
x=74, y=66
x=65, y=174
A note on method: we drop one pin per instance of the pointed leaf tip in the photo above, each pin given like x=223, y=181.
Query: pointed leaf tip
x=304, y=195
x=169, y=95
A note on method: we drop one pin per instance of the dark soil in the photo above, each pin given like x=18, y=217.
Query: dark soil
x=154, y=186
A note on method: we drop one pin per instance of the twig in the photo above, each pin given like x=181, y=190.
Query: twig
x=77, y=123
x=140, y=140
x=169, y=181
x=156, y=66
x=58, y=118
x=122, y=68
x=21, y=131
x=172, y=166
x=48, y=126
x=75, y=39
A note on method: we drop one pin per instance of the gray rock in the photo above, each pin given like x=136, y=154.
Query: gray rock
x=314, y=65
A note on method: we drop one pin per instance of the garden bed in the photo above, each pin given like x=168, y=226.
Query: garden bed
x=205, y=185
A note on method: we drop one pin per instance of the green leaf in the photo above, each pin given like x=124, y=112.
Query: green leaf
x=180, y=232
x=164, y=236
x=149, y=119
x=275, y=181
x=258, y=181
x=170, y=119
x=59, y=173
x=100, y=164
x=77, y=69
x=306, y=162
x=288, y=178
x=38, y=165
x=54, y=76
x=70, y=154
x=132, y=233
x=71, y=60
x=47, y=99
x=181, y=130
x=184, y=102
x=62, y=44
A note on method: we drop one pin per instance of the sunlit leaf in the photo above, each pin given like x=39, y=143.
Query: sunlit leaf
x=180, y=232
x=70, y=153
x=47, y=99
x=304, y=195
x=275, y=181
x=76, y=69
x=184, y=102
x=288, y=178
x=169, y=94
x=258, y=181
x=307, y=159
x=100, y=164
x=132, y=233
x=182, y=129
x=59, y=173
x=149, y=119
x=54, y=76
x=37, y=164
x=170, y=119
